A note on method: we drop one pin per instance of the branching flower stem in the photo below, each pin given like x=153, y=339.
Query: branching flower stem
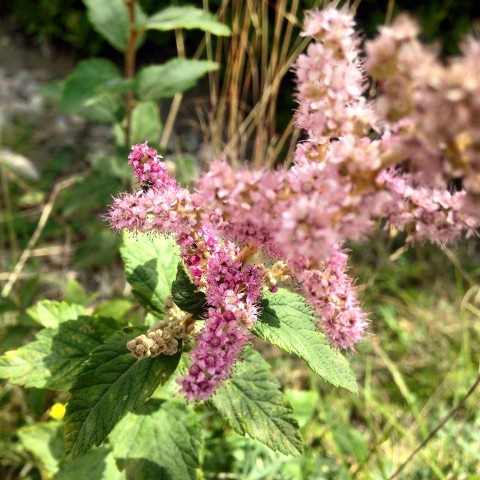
x=246, y=253
x=440, y=425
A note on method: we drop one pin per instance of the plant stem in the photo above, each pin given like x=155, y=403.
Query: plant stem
x=8, y=210
x=47, y=210
x=177, y=99
x=129, y=70
x=246, y=253
x=440, y=425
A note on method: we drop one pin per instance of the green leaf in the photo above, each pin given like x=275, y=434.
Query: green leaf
x=186, y=294
x=252, y=403
x=94, y=191
x=45, y=441
x=51, y=313
x=185, y=17
x=304, y=403
x=110, y=384
x=110, y=19
x=175, y=76
x=75, y=293
x=116, y=308
x=165, y=434
x=288, y=322
x=93, y=90
x=97, y=464
x=54, y=358
x=151, y=266
x=52, y=91
x=13, y=336
x=145, y=126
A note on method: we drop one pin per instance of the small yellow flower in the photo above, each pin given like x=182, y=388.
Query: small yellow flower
x=58, y=411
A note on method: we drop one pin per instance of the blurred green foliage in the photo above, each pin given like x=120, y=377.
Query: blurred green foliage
x=65, y=22
x=444, y=21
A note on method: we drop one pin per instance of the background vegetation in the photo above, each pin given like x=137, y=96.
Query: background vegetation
x=422, y=355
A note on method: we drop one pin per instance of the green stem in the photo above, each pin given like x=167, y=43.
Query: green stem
x=129, y=60
x=440, y=425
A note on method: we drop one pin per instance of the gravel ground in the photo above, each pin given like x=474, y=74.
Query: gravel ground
x=29, y=124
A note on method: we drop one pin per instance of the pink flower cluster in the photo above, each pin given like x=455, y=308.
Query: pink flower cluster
x=364, y=163
x=148, y=168
x=232, y=288
x=331, y=293
x=437, y=104
x=331, y=80
x=160, y=205
x=233, y=291
x=427, y=213
x=218, y=347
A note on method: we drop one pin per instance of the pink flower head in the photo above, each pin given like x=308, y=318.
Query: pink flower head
x=233, y=291
x=333, y=296
x=147, y=167
x=218, y=347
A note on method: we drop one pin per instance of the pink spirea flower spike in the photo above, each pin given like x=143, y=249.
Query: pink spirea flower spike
x=232, y=288
x=365, y=163
x=233, y=291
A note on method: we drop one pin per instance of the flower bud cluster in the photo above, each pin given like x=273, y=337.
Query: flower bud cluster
x=232, y=287
x=337, y=190
x=428, y=213
x=162, y=338
x=279, y=272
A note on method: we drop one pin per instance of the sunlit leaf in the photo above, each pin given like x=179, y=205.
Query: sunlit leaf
x=175, y=76
x=110, y=384
x=188, y=17
x=253, y=404
x=287, y=322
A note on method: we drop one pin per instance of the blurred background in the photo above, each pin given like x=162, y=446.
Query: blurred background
x=64, y=139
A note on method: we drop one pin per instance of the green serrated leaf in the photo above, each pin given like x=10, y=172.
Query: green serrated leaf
x=288, y=322
x=75, y=293
x=185, y=17
x=165, y=435
x=54, y=358
x=175, y=76
x=45, y=441
x=185, y=293
x=151, y=267
x=51, y=313
x=110, y=384
x=110, y=19
x=253, y=404
x=145, y=124
x=97, y=464
x=94, y=91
